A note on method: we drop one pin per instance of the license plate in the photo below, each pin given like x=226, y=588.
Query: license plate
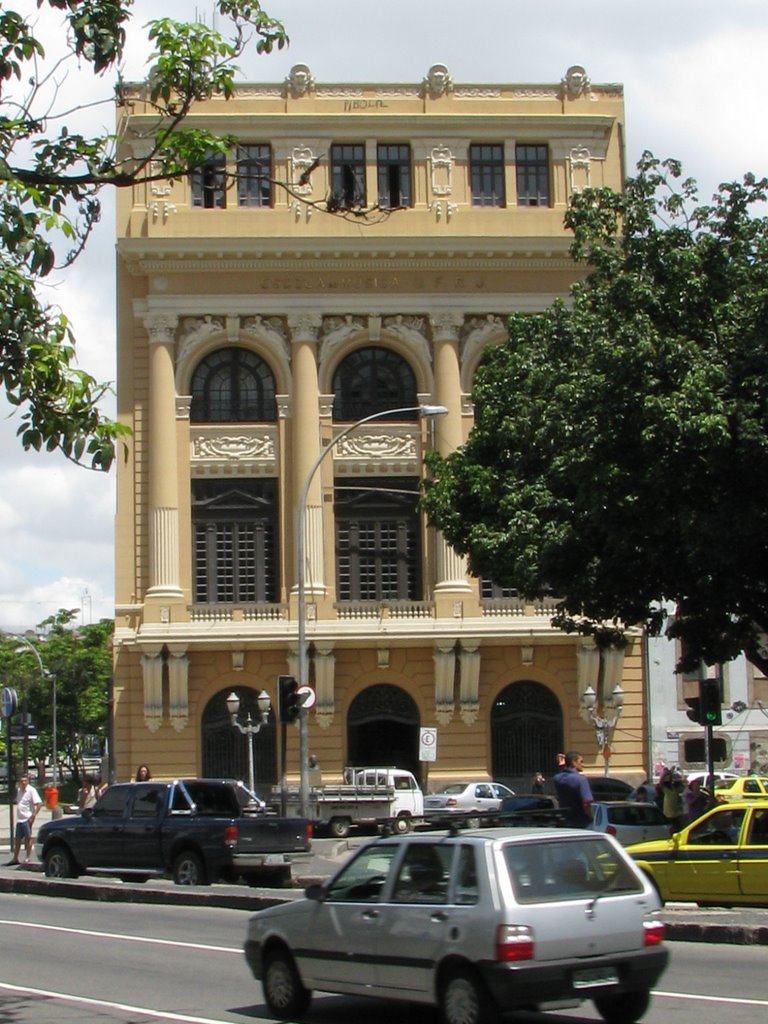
x=595, y=977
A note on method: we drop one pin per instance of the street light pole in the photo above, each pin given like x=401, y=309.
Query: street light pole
x=44, y=674
x=251, y=728
x=425, y=411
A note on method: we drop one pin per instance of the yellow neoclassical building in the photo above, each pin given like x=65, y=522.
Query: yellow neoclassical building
x=254, y=330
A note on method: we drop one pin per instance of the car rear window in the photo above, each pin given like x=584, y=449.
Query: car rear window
x=636, y=814
x=563, y=869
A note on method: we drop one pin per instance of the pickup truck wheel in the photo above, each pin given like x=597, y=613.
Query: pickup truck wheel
x=284, y=993
x=339, y=828
x=58, y=863
x=464, y=999
x=188, y=869
x=622, y=1008
x=402, y=824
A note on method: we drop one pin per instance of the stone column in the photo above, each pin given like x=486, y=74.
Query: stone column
x=451, y=577
x=305, y=444
x=152, y=672
x=164, y=580
x=178, y=686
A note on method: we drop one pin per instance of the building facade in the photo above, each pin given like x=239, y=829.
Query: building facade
x=254, y=329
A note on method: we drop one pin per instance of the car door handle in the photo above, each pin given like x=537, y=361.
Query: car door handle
x=439, y=915
x=370, y=915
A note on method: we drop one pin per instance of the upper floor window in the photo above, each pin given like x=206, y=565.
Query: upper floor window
x=348, y=175
x=209, y=183
x=373, y=380
x=532, y=164
x=394, y=169
x=254, y=175
x=486, y=168
x=234, y=536
x=233, y=385
x=378, y=549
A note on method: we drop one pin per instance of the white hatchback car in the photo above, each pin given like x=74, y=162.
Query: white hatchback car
x=629, y=821
x=476, y=923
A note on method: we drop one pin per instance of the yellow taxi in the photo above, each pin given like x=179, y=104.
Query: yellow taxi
x=721, y=858
x=748, y=787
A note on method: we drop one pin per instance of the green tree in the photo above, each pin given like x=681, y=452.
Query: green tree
x=619, y=457
x=51, y=179
x=80, y=662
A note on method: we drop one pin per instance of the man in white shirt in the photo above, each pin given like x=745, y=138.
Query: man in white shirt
x=28, y=803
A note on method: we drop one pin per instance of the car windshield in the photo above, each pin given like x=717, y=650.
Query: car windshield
x=563, y=869
x=454, y=787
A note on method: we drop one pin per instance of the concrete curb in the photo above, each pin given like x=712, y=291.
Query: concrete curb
x=681, y=925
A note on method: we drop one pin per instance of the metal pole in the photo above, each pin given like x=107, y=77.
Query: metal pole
x=11, y=794
x=55, y=736
x=424, y=410
x=250, y=734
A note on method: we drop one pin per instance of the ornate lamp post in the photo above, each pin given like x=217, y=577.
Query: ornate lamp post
x=603, y=726
x=251, y=728
x=425, y=411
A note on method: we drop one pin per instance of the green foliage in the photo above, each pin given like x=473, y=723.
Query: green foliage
x=620, y=451
x=81, y=662
x=50, y=185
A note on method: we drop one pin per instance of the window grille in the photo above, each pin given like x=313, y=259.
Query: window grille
x=486, y=167
x=532, y=165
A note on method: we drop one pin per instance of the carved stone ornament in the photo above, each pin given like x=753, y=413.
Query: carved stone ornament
x=580, y=166
x=370, y=447
x=438, y=81
x=441, y=171
x=302, y=159
x=575, y=83
x=300, y=81
x=234, y=448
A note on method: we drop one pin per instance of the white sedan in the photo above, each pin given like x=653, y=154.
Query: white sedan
x=465, y=798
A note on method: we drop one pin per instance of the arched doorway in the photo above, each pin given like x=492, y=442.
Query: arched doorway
x=526, y=733
x=383, y=728
x=225, y=749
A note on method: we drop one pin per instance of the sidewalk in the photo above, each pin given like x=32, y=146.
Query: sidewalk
x=685, y=922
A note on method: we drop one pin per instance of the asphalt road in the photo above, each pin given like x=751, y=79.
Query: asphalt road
x=65, y=961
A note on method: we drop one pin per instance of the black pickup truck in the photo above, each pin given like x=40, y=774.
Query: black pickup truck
x=195, y=830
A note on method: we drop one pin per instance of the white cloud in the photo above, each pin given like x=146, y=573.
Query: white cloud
x=693, y=80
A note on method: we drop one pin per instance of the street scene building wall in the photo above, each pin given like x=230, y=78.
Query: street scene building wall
x=255, y=328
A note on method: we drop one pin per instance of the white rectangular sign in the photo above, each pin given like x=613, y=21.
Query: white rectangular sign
x=427, y=744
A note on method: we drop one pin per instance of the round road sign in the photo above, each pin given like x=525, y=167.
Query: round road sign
x=9, y=702
x=307, y=696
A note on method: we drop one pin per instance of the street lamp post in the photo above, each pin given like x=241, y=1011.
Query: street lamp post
x=603, y=726
x=251, y=728
x=425, y=411
x=44, y=674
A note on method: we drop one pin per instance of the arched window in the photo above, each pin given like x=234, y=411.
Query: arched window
x=372, y=380
x=233, y=385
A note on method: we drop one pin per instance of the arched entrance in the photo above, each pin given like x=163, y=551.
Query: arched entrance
x=526, y=733
x=383, y=728
x=225, y=749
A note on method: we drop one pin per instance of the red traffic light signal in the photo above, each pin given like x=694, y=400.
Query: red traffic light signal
x=288, y=698
x=694, y=709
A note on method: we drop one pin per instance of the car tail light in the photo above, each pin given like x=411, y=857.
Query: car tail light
x=310, y=833
x=451, y=802
x=230, y=835
x=611, y=830
x=653, y=931
x=514, y=942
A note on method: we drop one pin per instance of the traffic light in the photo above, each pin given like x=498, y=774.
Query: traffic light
x=711, y=702
x=290, y=705
x=694, y=709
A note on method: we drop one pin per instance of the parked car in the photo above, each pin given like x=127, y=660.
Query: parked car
x=722, y=858
x=629, y=821
x=705, y=778
x=529, y=809
x=465, y=798
x=476, y=923
x=193, y=830
x=747, y=787
x=607, y=787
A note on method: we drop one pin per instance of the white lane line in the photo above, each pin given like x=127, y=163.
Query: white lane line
x=105, y=1004
x=144, y=940
x=696, y=997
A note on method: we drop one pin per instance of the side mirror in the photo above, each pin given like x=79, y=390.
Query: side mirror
x=86, y=812
x=315, y=892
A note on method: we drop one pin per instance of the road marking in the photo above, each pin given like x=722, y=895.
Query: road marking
x=144, y=940
x=183, y=1018
x=693, y=996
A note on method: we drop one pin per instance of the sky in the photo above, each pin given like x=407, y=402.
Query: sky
x=694, y=87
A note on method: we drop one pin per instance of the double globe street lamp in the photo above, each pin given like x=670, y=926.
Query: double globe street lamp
x=251, y=728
